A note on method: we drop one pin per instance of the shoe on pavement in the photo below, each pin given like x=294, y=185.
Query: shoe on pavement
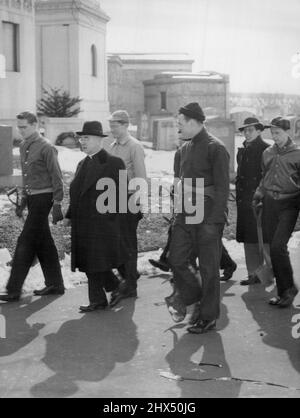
x=288, y=298
x=275, y=301
x=10, y=297
x=49, y=290
x=160, y=264
x=176, y=308
x=202, y=327
x=228, y=272
x=116, y=297
x=252, y=280
x=93, y=307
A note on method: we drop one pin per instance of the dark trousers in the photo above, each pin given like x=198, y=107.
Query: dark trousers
x=129, y=270
x=36, y=240
x=280, y=223
x=226, y=260
x=205, y=240
x=96, y=284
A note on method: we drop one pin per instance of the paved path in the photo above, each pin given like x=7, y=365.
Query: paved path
x=53, y=351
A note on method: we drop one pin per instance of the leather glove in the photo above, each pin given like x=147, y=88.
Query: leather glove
x=21, y=207
x=57, y=214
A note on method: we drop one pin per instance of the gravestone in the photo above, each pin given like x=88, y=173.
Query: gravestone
x=224, y=129
x=8, y=176
x=6, y=151
x=165, y=135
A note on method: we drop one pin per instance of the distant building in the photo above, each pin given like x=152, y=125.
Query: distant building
x=53, y=43
x=71, y=52
x=17, y=50
x=127, y=73
x=166, y=92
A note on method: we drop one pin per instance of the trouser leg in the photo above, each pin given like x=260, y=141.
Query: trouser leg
x=253, y=257
x=95, y=287
x=35, y=239
x=129, y=270
x=226, y=260
x=186, y=280
x=165, y=252
x=209, y=244
x=280, y=229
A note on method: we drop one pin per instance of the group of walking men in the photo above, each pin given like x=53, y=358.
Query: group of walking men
x=268, y=182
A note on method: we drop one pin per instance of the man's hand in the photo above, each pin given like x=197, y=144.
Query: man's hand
x=21, y=207
x=57, y=214
x=257, y=203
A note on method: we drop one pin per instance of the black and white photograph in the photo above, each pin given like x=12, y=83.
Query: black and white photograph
x=149, y=201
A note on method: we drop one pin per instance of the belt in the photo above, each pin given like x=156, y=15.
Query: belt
x=281, y=196
x=33, y=192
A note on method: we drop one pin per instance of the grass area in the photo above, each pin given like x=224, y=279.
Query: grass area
x=152, y=231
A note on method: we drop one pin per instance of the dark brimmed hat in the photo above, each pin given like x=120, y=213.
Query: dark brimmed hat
x=193, y=111
x=92, y=128
x=281, y=123
x=252, y=122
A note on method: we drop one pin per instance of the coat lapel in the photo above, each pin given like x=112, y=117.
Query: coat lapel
x=96, y=171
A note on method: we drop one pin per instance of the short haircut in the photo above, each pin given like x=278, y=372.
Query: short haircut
x=28, y=116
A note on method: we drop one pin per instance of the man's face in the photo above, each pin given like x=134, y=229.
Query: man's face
x=90, y=144
x=26, y=129
x=279, y=136
x=251, y=133
x=184, y=127
x=118, y=130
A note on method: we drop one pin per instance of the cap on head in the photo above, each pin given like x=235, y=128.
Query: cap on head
x=252, y=122
x=193, y=111
x=92, y=128
x=120, y=116
x=281, y=123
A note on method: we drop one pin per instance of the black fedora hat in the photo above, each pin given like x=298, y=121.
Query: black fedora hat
x=252, y=122
x=92, y=128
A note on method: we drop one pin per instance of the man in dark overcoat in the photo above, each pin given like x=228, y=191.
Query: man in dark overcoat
x=96, y=240
x=249, y=174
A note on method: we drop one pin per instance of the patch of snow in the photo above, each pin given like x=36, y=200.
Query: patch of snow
x=35, y=278
x=69, y=158
x=5, y=204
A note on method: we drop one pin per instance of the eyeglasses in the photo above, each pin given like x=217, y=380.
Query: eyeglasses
x=83, y=139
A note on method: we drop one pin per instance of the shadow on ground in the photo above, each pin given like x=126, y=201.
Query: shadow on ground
x=275, y=323
x=210, y=345
x=18, y=332
x=87, y=349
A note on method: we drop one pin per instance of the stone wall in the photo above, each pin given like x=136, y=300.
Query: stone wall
x=17, y=89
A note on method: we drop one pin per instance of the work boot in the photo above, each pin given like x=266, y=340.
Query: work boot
x=252, y=280
x=228, y=272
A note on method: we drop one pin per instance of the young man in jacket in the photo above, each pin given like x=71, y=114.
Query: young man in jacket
x=279, y=193
x=42, y=191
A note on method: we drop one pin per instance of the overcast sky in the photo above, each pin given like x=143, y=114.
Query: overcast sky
x=251, y=40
